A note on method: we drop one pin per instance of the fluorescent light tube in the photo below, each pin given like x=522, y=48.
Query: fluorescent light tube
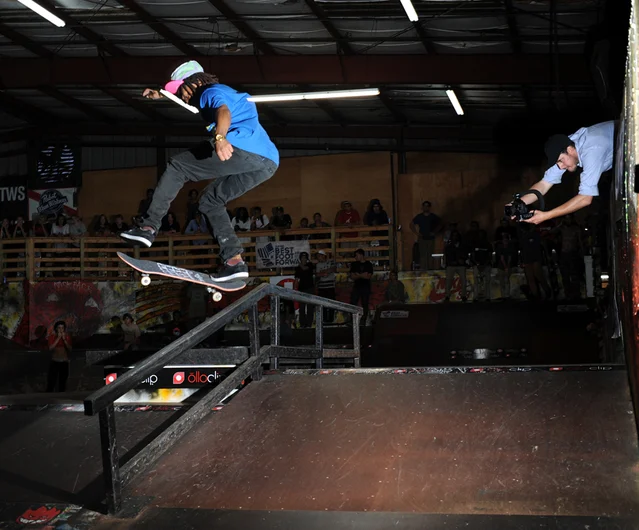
x=336, y=94
x=410, y=10
x=177, y=100
x=276, y=97
x=455, y=102
x=44, y=13
x=328, y=94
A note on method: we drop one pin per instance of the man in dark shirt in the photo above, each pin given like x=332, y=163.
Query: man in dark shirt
x=456, y=255
x=305, y=283
x=482, y=255
x=143, y=208
x=281, y=221
x=505, y=226
x=361, y=274
x=425, y=225
x=119, y=225
x=506, y=257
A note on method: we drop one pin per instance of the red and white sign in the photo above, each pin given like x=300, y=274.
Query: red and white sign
x=53, y=202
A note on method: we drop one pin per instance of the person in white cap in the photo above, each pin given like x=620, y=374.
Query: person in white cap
x=240, y=157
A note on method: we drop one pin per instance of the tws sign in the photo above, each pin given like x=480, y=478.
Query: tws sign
x=13, y=197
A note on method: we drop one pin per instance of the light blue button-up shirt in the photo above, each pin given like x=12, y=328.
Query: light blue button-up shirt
x=595, y=149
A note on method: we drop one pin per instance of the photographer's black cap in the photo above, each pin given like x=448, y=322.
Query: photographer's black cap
x=555, y=145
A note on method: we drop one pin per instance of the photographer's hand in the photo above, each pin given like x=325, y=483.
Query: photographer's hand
x=538, y=217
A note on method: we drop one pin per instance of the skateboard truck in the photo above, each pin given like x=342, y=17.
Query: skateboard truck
x=217, y=295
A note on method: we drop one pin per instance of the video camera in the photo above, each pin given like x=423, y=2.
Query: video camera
x=520, y=210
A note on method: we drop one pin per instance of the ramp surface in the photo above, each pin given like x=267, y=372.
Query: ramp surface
x=48, y=457
x=535, y=443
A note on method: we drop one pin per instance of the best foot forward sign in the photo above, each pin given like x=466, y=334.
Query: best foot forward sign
x=280, y=254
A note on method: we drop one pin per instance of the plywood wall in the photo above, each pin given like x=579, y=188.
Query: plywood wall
x=302, y=186
x=112, y=192
x=461, y=187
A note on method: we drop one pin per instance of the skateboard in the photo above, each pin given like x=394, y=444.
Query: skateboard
x=148, y=268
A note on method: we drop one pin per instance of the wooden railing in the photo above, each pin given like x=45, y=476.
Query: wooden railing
x=95, y=258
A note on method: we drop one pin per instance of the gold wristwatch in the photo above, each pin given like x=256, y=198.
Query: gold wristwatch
x=219, y=137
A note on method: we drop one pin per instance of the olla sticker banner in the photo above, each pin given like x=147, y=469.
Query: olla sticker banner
x=51, y=203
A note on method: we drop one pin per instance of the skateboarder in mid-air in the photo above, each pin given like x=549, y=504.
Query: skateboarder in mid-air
x=239, y=158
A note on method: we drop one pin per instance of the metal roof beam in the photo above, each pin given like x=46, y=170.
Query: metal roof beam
x=425, y=38
x=513, y=29
x=157, y=26
x=243, y=27
x=415, y=131
x=343, y=45
x=25, y=42
x=25, y=111
x=72, y=102
x=392, y=108
x=94, y=38
x=376, y=70
x=124, y=98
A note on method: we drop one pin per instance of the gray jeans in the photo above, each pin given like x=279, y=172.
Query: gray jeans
x=231, y=179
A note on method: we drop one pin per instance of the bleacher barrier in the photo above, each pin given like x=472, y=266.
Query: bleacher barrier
x=95, y=258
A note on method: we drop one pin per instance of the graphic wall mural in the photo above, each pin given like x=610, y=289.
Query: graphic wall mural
x=89, y=308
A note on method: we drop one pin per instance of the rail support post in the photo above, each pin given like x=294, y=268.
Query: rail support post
x=319, y=335
x=110, y=460
x=254, y=332
x=275, y=328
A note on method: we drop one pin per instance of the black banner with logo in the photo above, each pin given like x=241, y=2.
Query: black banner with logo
x=55, y=164
x=13, y=197
x=182, y=377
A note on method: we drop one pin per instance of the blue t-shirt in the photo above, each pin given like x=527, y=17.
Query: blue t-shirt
x=245, y=131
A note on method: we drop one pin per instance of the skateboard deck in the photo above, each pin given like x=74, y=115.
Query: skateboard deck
x=148, y=268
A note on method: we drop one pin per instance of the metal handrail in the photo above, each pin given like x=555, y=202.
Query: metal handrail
x=101, y=402
x=102, y=398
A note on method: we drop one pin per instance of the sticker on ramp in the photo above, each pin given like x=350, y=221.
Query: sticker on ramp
x=394, y=314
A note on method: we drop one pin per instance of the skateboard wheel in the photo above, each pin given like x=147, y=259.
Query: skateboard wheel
x=145, y=280
x=217, y=296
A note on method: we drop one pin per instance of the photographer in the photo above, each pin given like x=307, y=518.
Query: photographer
x=590, y=148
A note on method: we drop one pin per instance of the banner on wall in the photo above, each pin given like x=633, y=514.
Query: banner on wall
x=13, y=197
x=50, y=203
x=284, y=254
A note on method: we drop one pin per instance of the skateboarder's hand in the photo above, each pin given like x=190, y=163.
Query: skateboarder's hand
x=224, y=150
x=151, y=94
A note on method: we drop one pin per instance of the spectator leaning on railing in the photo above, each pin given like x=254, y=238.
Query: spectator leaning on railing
x=197, y=226
x=242, y=223
x=5, y=229
x=119, y=225
x=102, y=227
x=19, y=229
